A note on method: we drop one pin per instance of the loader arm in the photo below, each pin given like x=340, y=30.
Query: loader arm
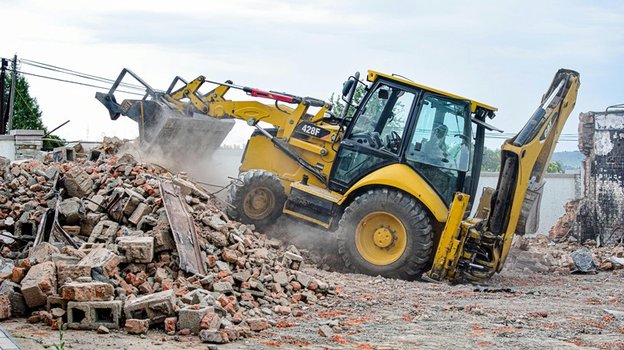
x=182, y=103
x=476, y=248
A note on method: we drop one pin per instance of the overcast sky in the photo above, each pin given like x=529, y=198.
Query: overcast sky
x=503, y=53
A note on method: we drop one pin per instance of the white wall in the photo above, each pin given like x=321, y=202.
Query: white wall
x=558, y=189
x=7, y=146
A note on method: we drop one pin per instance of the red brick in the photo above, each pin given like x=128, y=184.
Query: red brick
x=18, y=274
x=5, y=307
x=170, y=325
x=134, y=326
x=210, y=321
x=88, y=291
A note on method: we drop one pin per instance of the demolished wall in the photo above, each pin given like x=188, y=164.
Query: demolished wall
x=600, y=214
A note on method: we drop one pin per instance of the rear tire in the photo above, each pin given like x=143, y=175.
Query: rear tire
x=386, y=232
x=258, y=198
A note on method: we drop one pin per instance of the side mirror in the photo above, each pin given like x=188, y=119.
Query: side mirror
x=383, y=94
x=347, y=86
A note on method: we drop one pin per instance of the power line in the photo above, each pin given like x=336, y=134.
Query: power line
x=76, y=73
x=77, y=82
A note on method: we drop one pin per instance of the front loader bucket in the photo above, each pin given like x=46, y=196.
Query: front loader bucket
x=166, y=133
x=184, y=139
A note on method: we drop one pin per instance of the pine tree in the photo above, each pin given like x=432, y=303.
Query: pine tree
x=26, y=111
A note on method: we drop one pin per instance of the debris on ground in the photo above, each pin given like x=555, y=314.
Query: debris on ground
x=107, y=242
x=543, y=255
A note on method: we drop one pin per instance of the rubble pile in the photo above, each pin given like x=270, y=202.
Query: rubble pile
x=543, y=255
x=106, y=242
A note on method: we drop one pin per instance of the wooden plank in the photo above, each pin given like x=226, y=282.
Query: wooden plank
x=183, y=229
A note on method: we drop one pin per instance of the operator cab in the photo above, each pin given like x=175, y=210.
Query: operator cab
x=439, y=135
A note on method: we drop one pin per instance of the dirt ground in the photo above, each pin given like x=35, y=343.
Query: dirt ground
x=515, y=310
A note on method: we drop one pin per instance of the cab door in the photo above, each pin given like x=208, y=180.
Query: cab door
x=375, y=136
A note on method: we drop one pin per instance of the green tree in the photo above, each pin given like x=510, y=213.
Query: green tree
x=555, y=167
x=491, y=160
x=26, y=111
x=339, y=105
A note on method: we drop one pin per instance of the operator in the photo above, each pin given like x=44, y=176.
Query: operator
x=436, y=148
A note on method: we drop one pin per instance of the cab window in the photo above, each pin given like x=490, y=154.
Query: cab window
x=440, y=145
x=383, y=119
x=442, y=134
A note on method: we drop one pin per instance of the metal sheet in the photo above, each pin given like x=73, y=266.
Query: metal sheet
x=183, y=229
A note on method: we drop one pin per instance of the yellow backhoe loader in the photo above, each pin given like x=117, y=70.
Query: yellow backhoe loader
x=394, y=180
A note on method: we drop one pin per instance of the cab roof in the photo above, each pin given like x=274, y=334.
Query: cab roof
x=372, y=75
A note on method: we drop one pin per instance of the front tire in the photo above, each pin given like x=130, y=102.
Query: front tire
x=385, y=232
x=258, y=198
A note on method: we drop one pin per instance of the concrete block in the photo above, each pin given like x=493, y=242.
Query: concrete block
x=136, y=249
x=191, y=316
x=153, y=307
x=93, y=314
x=39, y=283
x=87, y=291
x=104, y=232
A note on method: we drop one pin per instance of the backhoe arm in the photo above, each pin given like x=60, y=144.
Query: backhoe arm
x=476, y=248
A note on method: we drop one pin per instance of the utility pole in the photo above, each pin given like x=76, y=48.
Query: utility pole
x=12, y=93
x=3, y=118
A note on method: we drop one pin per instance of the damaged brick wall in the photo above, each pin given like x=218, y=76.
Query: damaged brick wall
x=600, y=214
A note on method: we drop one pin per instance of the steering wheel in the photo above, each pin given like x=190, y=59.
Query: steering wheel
x=393, y=141
x=370, y=139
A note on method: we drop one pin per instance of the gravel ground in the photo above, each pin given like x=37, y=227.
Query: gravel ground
x=515, y=310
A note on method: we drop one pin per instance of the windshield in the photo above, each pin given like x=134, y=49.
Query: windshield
x=442, y=135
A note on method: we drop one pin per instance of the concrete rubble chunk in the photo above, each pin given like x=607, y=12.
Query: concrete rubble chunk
x=152, y=307
x=13, y=292
x=191, y=316
x=213, y=336
x=103, y=259
x=141, y=210
x=43, y=252
x=104, y=232
x=39, y=283
x=67, y=273
x=70, y=210
x=136, y=249
x=78, y=183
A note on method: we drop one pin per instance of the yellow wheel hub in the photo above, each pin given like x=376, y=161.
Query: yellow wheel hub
x=380, y=238
x=383, y=237
x=259, y=203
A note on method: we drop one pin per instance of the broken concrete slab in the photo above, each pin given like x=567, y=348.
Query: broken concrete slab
x=153, y=307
